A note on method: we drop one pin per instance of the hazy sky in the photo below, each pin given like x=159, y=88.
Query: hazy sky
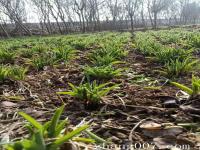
x=33, y=17
x=32, y=12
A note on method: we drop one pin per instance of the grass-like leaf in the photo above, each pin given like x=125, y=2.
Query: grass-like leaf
x=54, y=122
x=67, y=137
x=31, y=120
x=183, y=87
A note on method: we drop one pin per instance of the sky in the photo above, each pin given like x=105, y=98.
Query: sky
x=32, y=12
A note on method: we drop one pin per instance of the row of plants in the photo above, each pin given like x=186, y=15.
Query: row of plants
x=12, y=72
x=51, y=51
x=175, y=61
x=36, y=58
x=77, y=41
x=173, y=36
x=180, y=37
x=104, y=60
x=36, y=53
x=174, y=49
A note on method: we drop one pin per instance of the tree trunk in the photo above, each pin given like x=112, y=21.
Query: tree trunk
x=58, y=24
x=155, y=20
x=83, y=22
x=23, y=27
x=132, y=24
x=150, y=17
x=4, y=30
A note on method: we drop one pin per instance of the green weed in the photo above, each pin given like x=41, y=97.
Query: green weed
x=165, y=55
x=102, y=72
x=12, y=72
x=63, y=54
x=17, y=72
x=90, y=92
x=4, y=72
x=50, y=136
x=104, y=60
x=176, y=68
x=39, y=62
x=195, y=88
x=7, y=57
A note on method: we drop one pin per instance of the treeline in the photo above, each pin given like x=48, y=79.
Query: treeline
x=67, y=16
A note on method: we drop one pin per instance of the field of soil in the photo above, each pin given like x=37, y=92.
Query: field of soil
x=137, y=90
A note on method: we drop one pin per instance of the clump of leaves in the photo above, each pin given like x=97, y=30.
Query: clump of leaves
x=4, y=72
x=91, y=93
x=176, y=68
x=6, y=56
x=40, y=48
x=104, y=60
x=102, y=72
x=46, y=59
x=27, y=53
x=115, y=49
x=164, y=55
x=114, y=53
x=64, y=54
x=147, y=44
x=12, y=72
x=112, y=49
x=195, y=87
x=50, y=136
x=80, y=44
x=17, y=72
x=194, y=40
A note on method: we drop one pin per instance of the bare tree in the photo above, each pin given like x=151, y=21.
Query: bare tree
x=172, y=14
x=190, y=12
x=60, y=4
x=131, y=8
x=15, y=10
x=93, y=13
x=43, y=14
x=155, y=7
x=115, y=8
x=80, y=9
x=2, y=27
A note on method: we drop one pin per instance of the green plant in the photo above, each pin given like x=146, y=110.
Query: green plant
x=17, y=72
x=49, y=136
x=102, y=72
x=27, y=53
x=40, y=48
x=147, y=44
x=194, y=40
x=166, y=54
x=113, y=49
x=104, y=60
x=46, y=59
x=168, y=37
x=79, y=45
x=6, y=56
x=12, y=72
x=195, y=88
x=63, y=54
x=175, y=68
x=4, y=72
x=89, y=92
